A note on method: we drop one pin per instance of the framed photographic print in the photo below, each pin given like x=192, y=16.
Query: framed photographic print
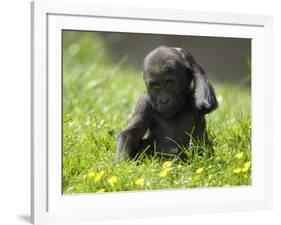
x=147, y=112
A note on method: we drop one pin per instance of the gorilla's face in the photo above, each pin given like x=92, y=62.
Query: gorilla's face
x=168, y=80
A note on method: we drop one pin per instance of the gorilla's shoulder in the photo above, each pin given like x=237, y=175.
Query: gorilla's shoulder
x=144, y=98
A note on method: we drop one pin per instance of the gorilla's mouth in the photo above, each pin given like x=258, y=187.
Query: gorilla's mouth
x=168, y=111
x=169, y=114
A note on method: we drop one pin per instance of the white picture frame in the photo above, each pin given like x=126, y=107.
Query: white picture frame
x=49, y=205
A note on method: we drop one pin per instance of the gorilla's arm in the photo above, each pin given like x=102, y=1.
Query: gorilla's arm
x=129, y=139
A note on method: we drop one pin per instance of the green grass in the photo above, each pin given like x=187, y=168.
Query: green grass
x=98, y=99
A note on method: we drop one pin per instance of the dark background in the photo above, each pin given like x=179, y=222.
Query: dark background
x=225, y=59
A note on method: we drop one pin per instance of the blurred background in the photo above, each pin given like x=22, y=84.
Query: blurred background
x=225, y=59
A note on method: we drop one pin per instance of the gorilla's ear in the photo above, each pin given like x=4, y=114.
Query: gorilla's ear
x=204, y=96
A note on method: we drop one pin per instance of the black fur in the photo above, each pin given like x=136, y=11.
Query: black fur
x=178, y=96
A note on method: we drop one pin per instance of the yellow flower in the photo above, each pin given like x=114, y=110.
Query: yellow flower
x=167, y=164
x=199, y=170
x=237, y=170
x=164, y=172
x=139, y=181
x=112, y=180
x=98, y=177
x=239, y=155
x=168, y=169
x=246, y=166
x=100, y=190
x=210, y=177
x=91, y=175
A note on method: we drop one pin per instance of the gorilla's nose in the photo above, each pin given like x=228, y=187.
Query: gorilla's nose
x=164, y=101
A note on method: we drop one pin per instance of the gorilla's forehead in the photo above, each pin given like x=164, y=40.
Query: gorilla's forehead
x=161, y=60
x=161, y=67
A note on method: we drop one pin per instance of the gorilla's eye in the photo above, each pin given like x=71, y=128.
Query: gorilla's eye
x=154, y=85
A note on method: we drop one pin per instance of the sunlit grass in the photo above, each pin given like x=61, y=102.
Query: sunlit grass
x=98, y=99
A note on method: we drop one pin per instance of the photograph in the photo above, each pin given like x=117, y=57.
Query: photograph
x=148, y=112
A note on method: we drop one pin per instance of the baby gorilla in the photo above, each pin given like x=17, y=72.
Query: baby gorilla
x=178, y=96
